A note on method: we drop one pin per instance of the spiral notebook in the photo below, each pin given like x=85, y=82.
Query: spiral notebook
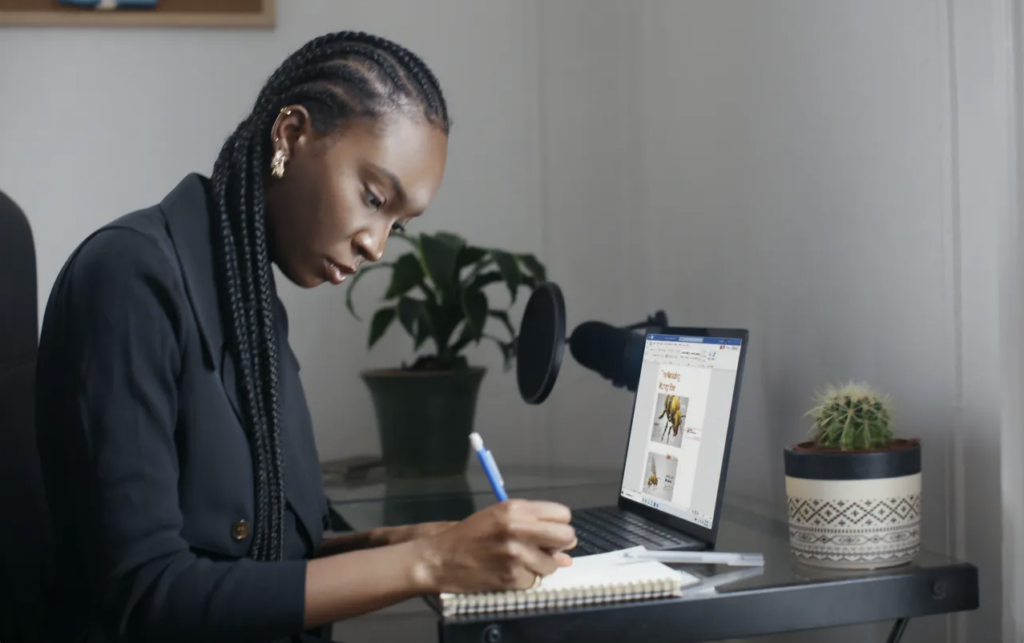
x=601, y=578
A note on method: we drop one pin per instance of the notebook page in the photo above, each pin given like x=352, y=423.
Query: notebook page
x=608, y=568
x=612, y=568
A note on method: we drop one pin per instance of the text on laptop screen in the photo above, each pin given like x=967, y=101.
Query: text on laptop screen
x=680, y=422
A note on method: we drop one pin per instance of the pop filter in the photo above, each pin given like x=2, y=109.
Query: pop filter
x=541, y=343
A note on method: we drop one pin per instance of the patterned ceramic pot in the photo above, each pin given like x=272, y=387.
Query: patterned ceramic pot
x=854, y=509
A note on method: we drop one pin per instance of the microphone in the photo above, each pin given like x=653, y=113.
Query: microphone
x=612, y=352
x=615, y=353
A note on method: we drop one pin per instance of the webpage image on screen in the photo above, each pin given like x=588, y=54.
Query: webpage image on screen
x=677, y=438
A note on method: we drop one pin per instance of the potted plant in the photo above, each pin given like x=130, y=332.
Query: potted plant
x=438, y=293
x=853, y=488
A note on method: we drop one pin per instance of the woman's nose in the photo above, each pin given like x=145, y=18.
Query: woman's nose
x=369, y=247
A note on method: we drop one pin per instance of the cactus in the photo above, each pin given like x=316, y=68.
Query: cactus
x=851, y=417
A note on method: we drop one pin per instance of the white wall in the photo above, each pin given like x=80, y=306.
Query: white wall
x=588, y=89
x=830, y=174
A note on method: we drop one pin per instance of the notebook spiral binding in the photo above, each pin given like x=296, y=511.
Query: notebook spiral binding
x=557, y=597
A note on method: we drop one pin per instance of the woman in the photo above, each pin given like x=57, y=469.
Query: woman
x=177, y=446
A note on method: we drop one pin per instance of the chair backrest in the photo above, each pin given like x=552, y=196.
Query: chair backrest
x=25, y=532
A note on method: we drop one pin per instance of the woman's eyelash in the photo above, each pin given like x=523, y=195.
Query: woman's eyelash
x=373, y=200
x=377, y=203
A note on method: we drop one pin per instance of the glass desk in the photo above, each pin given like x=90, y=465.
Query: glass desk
x=377, y=500
x=783, y=596
x=376, y=486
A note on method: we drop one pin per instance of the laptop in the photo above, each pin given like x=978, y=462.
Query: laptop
x=680, y=436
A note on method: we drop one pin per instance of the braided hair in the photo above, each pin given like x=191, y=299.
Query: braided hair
x=336, y=77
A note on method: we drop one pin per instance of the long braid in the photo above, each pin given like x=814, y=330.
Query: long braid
x=335, y=77
x=269, y=349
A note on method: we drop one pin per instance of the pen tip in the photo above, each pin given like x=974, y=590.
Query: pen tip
x=476, y=440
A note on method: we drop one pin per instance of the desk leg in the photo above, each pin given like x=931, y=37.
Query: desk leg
x=898, y=628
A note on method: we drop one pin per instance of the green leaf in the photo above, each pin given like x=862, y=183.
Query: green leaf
x=534, y=267
x=408, y=274
x=409, y=310
x=412, y=313
x=423, y=332
x=474, y=308
x=469, y=256
x=440, y=253
x=465, y=338
x=502, y=316
x=484, y=280
x=480, y=266
x=352, y=284
x=381, y=321
x=474, y=305
x=445, y=317
x=428, y=293
x=509, y=271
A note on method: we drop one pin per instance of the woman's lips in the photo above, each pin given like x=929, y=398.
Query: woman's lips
x=336, y=273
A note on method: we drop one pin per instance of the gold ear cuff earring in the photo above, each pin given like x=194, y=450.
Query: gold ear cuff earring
x=277, y=163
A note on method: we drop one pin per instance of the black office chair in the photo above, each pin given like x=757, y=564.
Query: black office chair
x=25, y=536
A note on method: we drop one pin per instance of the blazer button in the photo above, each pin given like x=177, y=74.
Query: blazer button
x=240, y=530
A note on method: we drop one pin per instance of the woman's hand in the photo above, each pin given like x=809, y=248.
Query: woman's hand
x=506, y=546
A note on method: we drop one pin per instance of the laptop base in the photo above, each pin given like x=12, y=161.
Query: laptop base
x=605, y=529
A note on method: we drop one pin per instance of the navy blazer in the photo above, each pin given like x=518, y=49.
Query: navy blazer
x=148, y=469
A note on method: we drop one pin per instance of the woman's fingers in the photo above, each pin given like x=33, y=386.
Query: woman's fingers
x=544, y=535
x=541, y=510
x=534, y=560
x=563, y=560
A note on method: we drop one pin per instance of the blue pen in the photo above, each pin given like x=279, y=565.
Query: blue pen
x=490, y=466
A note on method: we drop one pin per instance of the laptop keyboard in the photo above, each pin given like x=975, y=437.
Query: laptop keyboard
x=604, y=529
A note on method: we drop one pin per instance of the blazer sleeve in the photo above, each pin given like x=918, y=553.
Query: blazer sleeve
x=126, y=309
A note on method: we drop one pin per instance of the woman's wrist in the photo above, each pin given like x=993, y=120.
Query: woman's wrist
x=358, y=582
x=356, y=541
x=383, y=536
x=424, y=564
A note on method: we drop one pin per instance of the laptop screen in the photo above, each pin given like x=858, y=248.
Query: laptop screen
x=680, y=424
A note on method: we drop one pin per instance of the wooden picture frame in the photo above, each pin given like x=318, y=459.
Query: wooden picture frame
x=226, y=14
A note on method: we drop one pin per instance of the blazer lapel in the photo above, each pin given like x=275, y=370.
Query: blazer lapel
x=187, y=210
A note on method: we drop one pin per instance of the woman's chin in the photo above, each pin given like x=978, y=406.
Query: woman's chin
x=303, y=279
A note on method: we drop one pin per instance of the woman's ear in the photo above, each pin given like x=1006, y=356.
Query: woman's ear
x=291, y=131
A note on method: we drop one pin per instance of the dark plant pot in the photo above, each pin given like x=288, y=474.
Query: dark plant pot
x=424, y=419
x=854, y=509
